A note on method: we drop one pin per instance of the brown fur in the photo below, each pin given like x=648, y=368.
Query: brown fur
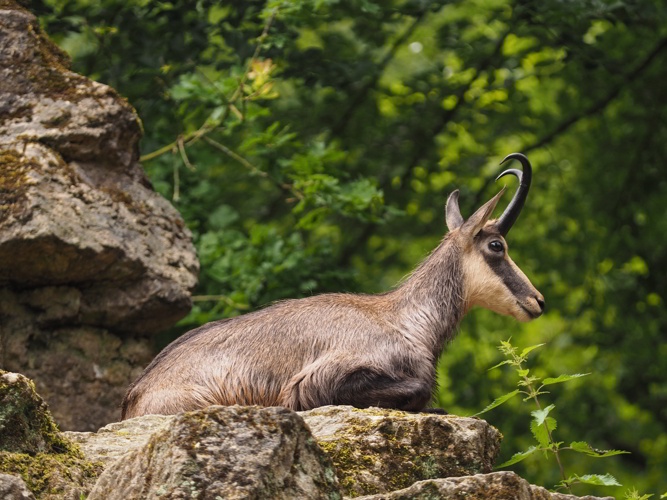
x=362, y=350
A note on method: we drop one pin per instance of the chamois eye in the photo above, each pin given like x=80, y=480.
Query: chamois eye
x=496, y=246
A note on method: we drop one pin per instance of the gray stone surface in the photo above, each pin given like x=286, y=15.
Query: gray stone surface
x=496, y=485
x=116, y=439
x=223, y=452
x=92, y=259
x=376, y=450
x=13, y=488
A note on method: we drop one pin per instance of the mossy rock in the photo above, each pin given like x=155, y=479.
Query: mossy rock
x=31, y=445
x=26, y=425
x=376, y=450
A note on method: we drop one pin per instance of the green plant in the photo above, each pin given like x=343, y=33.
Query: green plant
x=633, y=494
x=543, y=424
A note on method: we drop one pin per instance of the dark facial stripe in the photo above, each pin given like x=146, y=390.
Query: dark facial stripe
x=516, y=284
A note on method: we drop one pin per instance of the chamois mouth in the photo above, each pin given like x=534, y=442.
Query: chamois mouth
x=531, y=314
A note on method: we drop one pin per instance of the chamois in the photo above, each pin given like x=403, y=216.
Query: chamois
x=345, y=349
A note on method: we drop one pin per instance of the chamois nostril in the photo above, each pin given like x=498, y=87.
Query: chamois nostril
x=540, y=302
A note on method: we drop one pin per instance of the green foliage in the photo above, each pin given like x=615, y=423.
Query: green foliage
x=542, y=426
x=310, y=146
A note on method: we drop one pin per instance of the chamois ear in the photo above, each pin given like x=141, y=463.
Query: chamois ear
x=477, y=220
x=453, y=212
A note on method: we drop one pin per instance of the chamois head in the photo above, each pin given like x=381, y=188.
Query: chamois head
x=492, y=280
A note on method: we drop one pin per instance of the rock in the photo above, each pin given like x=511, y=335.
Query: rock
x=26, y=425
x=496, y=485
x=31, y=447
x=224, y=452
x=376, y=450
x=91, y=257
x=13, y=488
x=116, y=439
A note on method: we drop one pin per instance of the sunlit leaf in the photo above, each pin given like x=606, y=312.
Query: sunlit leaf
x=562, y=378
x=586, y=449
x=525, y=352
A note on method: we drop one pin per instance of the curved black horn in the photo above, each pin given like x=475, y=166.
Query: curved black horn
x=509, y=216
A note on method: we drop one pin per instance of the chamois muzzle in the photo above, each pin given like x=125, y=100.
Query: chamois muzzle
x=509, y=216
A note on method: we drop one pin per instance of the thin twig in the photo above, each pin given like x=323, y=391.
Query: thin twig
x=177, y=193
x=206, y=127
x=184, y=155
x=252, y=168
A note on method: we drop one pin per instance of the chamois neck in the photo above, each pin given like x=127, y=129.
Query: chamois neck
x=430, y=303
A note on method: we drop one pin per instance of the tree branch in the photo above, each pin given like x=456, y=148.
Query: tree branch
x=360, y=96
x=602, y=104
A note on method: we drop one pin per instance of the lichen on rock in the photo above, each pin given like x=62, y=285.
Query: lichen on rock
x=496, y=485
x=225, y=452
x=377, y=450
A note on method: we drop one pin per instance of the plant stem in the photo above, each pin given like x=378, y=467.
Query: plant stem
x=551, y=439
x=518, y=361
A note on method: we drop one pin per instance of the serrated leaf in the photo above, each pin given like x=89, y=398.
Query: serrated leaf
x=518, y=457
x=540, y=415
x=541, y=433
x=587, y=449
x=523, y=372
x=506, y=362
x=529, y=348
x=562, y=378
x=599, y=480
x=498, y=401
x=664, y=495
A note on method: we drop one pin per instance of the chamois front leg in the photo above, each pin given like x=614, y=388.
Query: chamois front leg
x=333, y=383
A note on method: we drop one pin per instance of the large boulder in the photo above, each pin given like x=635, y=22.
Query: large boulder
x=496, y=485
x=92, y=259
x=376, y=450
x=224, y=452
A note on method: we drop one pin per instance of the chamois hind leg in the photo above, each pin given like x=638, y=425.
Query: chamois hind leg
x=333, y=383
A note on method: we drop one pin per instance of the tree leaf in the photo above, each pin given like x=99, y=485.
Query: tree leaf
x=518, y=457
x=498, y=401
x=562, y=378
x=587, y=449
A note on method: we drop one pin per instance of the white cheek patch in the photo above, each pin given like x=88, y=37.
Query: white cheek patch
x=484, y=288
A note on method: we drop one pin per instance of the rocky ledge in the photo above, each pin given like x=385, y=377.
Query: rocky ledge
x=252, y=453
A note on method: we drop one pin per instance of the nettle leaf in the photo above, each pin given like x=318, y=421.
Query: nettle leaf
x=541, y=431
x=518, y=457
x=540, y=415
x=498, y=401
x=506, y=362
x=596, y=479
x=587, y=449
x=562, y=378
x=529, y=348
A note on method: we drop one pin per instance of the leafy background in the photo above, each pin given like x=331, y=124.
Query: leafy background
x=310, y=146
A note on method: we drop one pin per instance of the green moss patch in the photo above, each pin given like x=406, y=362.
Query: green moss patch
x=13, y=182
